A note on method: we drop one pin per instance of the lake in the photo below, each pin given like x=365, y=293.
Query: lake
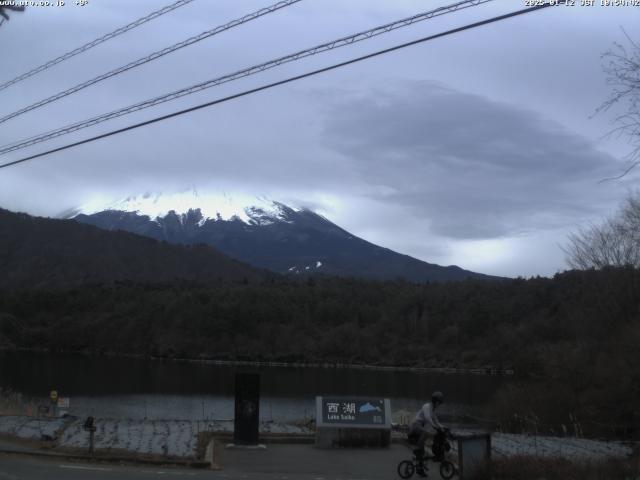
x=139, y=388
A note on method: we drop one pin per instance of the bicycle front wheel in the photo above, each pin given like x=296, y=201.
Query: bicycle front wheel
x=406, y=469
x=447, y=469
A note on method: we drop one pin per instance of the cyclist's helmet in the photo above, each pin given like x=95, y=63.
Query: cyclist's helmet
x=437, y=397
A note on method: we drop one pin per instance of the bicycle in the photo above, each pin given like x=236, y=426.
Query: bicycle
x=441, y=445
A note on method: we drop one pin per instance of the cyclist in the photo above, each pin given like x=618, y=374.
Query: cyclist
x=425, y=425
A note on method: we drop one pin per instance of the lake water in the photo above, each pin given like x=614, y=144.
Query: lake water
x=141, y=388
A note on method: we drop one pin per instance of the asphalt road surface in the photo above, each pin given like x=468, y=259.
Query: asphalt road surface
x=277, y=462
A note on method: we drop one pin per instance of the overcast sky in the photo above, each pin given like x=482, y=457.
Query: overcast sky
x=479, y=149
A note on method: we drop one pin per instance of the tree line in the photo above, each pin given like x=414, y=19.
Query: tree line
x=572, y=339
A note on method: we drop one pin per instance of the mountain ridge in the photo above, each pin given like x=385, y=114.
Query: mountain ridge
x=270, y=235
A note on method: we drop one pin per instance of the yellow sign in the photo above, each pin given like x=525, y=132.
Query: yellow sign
x=54, y=395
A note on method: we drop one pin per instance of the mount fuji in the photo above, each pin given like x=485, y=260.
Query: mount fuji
x=263, y=233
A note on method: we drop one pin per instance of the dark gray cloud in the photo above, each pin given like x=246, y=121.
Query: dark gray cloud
x=473, y=167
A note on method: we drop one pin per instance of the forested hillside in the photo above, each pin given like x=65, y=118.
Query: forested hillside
x=46, y=253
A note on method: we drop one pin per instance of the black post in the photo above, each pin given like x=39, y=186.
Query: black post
x=91, y=428
x=247, y=409
x=91, y=434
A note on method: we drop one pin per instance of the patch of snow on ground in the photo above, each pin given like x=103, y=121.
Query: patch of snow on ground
x=505, y=444
x=178, y=438
x=31, y=428
x=169, y=438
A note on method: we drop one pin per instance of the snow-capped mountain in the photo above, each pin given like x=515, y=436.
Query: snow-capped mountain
x=222, y=206
x=262, y=232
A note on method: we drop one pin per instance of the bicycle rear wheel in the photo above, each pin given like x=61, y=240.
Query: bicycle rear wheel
x=406, y=469
x=447, y=469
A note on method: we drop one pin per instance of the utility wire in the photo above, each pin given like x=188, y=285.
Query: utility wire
x=97, y=41
x=153, y=56
x=282, y=82
x=341, y=42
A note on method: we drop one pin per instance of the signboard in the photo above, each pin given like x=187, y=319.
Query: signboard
x=353, y=411
x=53, y=395
x=247, y=409
x=63, y=402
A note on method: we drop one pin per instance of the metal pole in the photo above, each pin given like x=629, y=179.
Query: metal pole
x=91, y=434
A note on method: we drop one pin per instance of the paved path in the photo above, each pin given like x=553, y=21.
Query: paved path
x=298, y=461
x=15, y=446
x=277, y=462
x=19, y=467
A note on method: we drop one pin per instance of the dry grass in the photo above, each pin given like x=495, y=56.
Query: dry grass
x=13, y=403
x=530, y=468
x=305, y=422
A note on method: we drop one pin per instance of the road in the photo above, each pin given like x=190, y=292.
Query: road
x=277, y=462
x=18, y=467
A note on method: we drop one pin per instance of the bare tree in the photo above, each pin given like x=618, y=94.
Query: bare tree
x=614, y=242
x=622, y=66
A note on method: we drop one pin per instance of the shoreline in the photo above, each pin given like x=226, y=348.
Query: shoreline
x=485, y=371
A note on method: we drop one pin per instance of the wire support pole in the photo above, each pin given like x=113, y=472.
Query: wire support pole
x=341, y=42
x=97, y=41
x=153, y=56
x=281, y=82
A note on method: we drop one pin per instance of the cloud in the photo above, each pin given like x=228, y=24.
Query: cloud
x=441, y=171
x=472, y=167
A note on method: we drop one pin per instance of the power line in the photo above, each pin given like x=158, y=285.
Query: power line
x=282, y=82
x=341, y=42
x=153, y=56
x=97, y=41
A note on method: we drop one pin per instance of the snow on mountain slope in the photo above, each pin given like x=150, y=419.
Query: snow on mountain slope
x=213, y=206
x=263, y=233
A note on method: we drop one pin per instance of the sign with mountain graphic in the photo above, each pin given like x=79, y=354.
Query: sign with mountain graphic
x=372, y=412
